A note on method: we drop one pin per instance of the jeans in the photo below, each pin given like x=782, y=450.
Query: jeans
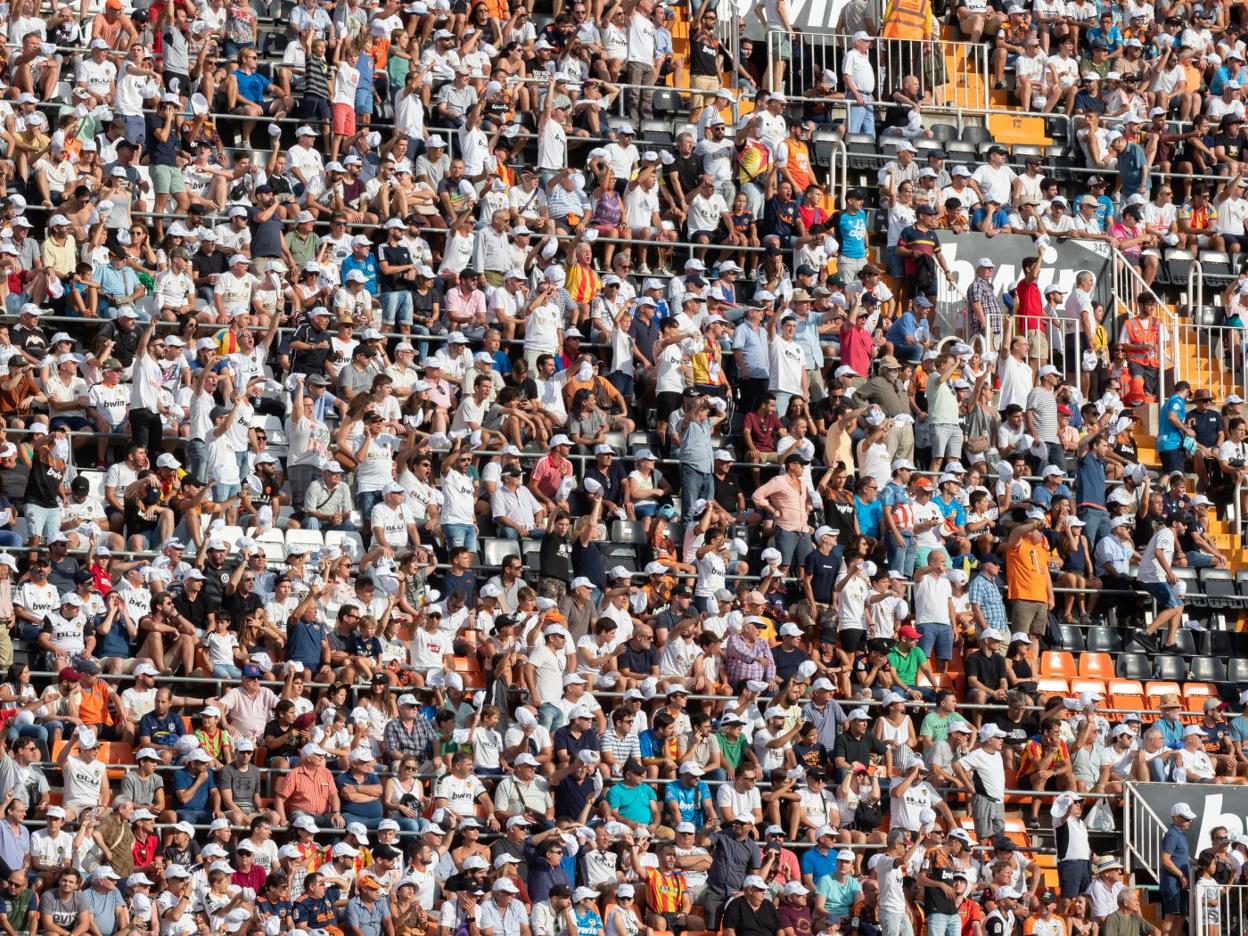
x=9, y=538
x=44, y=522
x=944, y=924
x=901, y=554
x=793, y=546
x=550, y=716
x=365, y=501
x=753, y=197
x=936, y=640
x=396, y=307
x=223, y=492
x=895, y=924
x=460, y=534
x=862, y=120
x=694, y=484
x=1097, y=524
x=511, y=533
x=225, y=671
x=197, y=458
x=422, y=347
x=311, y=523
x=36, y=731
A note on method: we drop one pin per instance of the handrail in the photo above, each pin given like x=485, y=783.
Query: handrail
x=1142, y=832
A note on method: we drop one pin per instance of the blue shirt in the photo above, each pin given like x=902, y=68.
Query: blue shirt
x=116, y=282
x=588, y=923
x=633, y=803
x=816, y=863
x=870, y=516
x=363, y=810
x=305, y=644
x=1169, y=436
x=851, y=231
x=1132, y=165
x=1090, y=481
x=895, y=494
x=688, y=799
x=1239, y=728
x=367, y=266
x=1174, y=844
x=808, y=337
x=752, y=343
x=183, y=780
x=952, y=509
x=163, y=731
x=251, y=87
x=1042, y=497
x=902, y=331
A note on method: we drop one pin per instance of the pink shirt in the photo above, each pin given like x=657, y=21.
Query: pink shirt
x=249, y=715
x=787, y=502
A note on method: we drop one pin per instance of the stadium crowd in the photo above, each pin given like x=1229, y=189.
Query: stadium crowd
x=557, y=528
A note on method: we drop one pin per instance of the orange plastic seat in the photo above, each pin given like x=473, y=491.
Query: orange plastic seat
x=1047, y=686
x=469, y=670
x=1157, y=688
x=1088, y=685
x=1125, y=687
x=1059, y=663
x=1098, y=665
x=1128, y=703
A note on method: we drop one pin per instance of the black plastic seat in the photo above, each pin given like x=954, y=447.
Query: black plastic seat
x=1103, y=640
x=943, y=133
x=1072, y=638
x=1208, y=669
x=1133, y=666
x=1185, y=640
x=1237, y=671
x=1219, y=588
x=976, y=135
x=1169, y=666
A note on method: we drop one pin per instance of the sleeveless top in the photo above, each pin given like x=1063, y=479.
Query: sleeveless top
x=608, y=211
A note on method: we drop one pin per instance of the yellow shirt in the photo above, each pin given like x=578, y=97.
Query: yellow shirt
x=62, y=259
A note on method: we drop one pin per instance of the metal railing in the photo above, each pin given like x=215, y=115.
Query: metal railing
x=1142, y=833
x=811, y=53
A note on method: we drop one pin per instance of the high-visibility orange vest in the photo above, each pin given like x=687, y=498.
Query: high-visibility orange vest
x=906, y=19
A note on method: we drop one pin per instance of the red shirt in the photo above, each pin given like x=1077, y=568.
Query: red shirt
x=1029, y=305
x=856, y=347
x=763, y=434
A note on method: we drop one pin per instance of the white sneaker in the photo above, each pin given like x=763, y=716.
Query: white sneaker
x=643, y=270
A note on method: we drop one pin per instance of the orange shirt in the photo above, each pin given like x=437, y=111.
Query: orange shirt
x=799, y=164
x=307, y=789
x=1027, y=571
x=93, y=706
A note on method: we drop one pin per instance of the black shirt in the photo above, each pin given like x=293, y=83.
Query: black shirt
x=858, y=751
x=162, y=153
x=612, y=484
x=939, y=868
x=744, y=920
x=788, y=661
x=639, y=662
x=1016, y=732
x=194, y=611
x=571, y=795
x=707, y=58
x=309, y=361
x=556, y=557
x=688, y=170
x=727, y=492
x=239, y=606
x=204, y=264
x=1233, y=145
x=822, y=571
x=1207, y=425
x=564, y=740
x=215, y=580
x=31, y=340
x=266, y=236
x=125, y=341
x=988, y=669
x=395, y=255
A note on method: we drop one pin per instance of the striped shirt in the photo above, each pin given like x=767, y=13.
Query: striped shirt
x=664, y=892
x=582, y=283
x=621, y=749
x=981, y=291
x=316, y=79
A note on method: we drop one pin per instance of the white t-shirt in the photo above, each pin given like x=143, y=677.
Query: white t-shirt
x=995, y=183
x=1151, y=571
x=931, y=599
x=83, y=782
x=738, y=803
x=393, y=523
x=990, y=771
x=706, y=214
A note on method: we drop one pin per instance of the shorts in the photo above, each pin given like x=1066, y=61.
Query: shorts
x=1074, y=877
x=167, y=180
x=1037, y=345
x=667, y=403
x=851, y=639
x=1163, y=594
x=946, y=440
x=1174, y=903
x=936, y=640
x=342, y=119
x=1029, y=617
x=704, y=83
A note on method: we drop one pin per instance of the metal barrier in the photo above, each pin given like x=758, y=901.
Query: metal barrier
x=1142, y=833
x=811, y=53
x=1216, y=909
